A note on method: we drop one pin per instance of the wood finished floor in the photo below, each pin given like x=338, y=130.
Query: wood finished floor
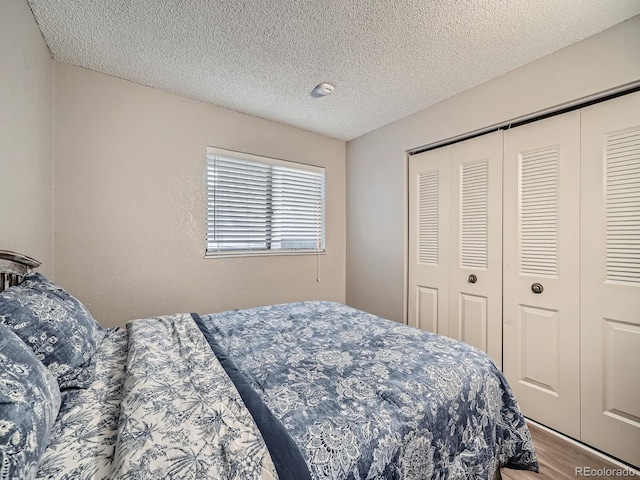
x=558, y=459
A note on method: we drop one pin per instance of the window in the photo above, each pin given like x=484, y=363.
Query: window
x=259, y=205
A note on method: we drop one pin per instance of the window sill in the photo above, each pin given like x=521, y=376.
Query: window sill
x=260, y=253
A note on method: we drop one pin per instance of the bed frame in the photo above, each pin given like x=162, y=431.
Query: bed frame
x=14, y=266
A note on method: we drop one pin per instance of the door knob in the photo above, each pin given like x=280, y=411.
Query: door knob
x=472, y=278
x=537, y=288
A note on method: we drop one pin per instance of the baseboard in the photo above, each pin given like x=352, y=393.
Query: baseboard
x=591, y=450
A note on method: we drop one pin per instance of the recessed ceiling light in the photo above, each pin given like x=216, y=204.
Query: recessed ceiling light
x=323, y=90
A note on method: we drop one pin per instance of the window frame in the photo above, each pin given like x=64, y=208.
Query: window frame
x=267, y=161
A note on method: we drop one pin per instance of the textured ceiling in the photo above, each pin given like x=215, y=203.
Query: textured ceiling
x=387, y=58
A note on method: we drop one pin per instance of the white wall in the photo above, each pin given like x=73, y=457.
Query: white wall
x=377, y=165
x=26, y=136
x=130, y=203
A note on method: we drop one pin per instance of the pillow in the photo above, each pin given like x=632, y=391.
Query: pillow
x=58, y=328
x=29, y=404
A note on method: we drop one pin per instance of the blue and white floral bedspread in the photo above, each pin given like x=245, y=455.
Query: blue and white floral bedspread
x=368, y=398
x=241, y=394
x=161, y=407
x=82, y=440
x=181, y=417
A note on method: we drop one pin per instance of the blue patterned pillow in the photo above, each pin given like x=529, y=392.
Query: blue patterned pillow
x=58, y=328
x=29, y=404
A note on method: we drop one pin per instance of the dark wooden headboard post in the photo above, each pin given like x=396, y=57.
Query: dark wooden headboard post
x=14, y=266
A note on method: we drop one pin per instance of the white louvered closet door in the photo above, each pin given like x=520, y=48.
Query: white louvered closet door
x=475, y=272
x=611, y=277
x=429, y=240
x=541, y=254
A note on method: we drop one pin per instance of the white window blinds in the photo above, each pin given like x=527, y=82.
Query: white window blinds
x=262, y=205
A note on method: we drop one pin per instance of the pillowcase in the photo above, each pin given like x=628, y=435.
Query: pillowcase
x=29, y=404
x=58, y=328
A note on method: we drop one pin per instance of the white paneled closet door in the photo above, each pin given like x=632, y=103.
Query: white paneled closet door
x=455, y=236
x=429, y=240
x=611, y=277
x=475, y=271
x=541, y=261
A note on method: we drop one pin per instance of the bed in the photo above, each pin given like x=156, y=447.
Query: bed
x=296, y=391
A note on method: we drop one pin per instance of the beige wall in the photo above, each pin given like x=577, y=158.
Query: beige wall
x=130, y=204
x=377, y=165
x=26, y=136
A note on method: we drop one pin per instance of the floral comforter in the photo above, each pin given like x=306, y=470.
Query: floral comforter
x=368, y=398
x=307, y=390
x=161, y=407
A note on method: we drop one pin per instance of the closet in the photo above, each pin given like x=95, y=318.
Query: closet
x=541, y=265
x=526, y=243
x=456, y=259
x=610, y=277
